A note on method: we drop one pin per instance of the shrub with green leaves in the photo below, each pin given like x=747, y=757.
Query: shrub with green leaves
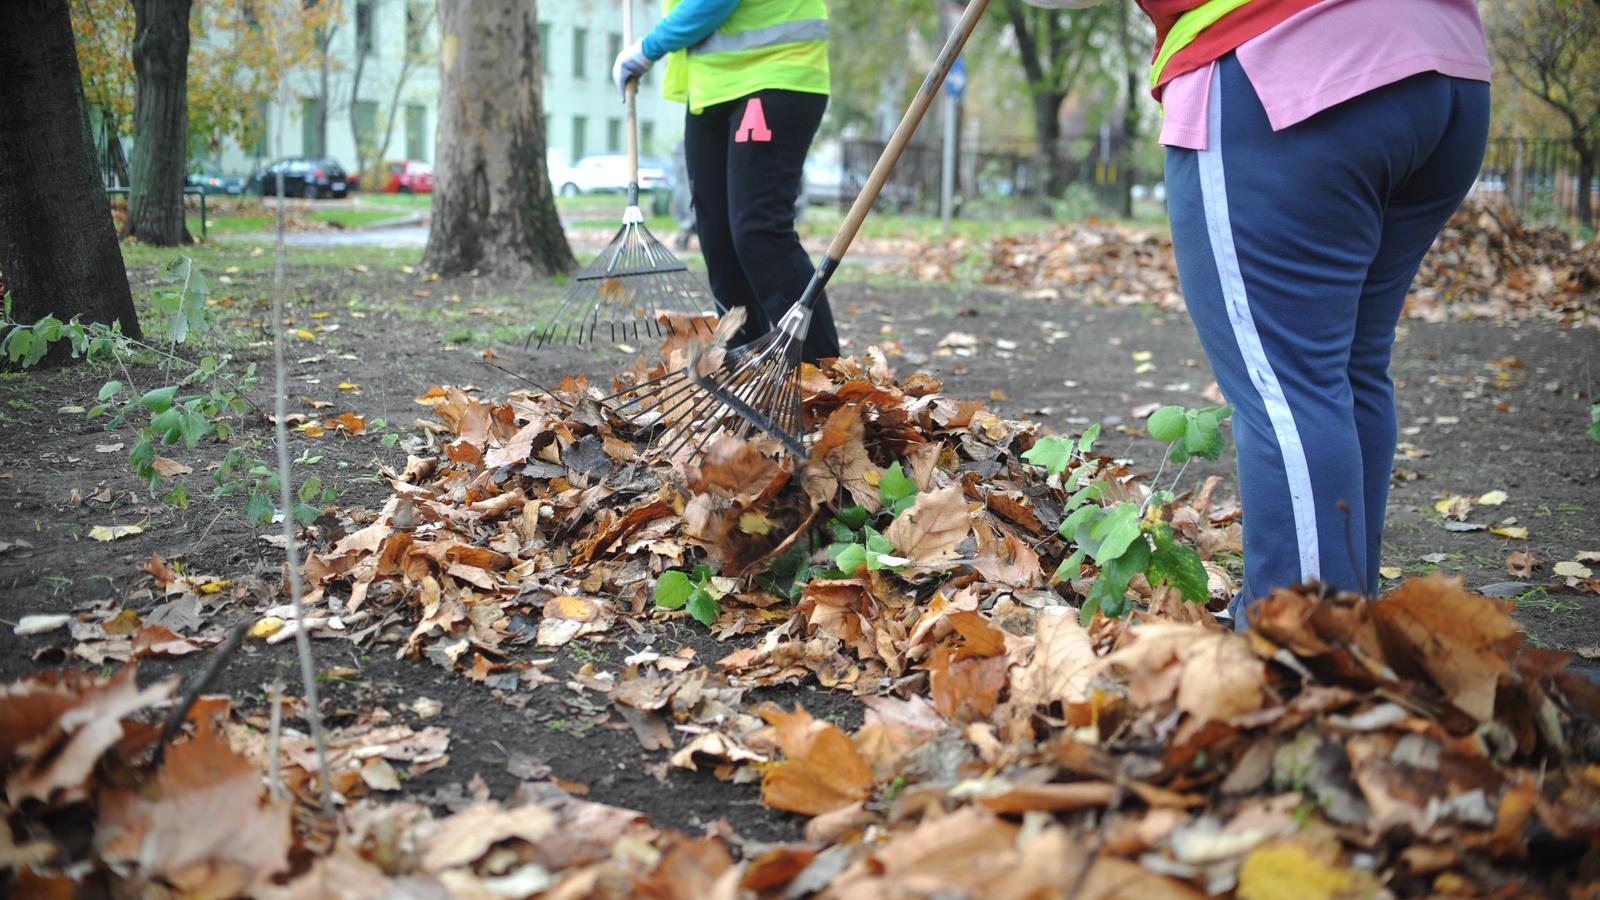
x=1128, y=539
x=849, y=540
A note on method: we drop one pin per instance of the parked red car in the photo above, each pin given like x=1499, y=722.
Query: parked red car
x=409, y=176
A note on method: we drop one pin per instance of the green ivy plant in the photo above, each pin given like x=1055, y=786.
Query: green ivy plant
x=850, y=540
x=1128, y=539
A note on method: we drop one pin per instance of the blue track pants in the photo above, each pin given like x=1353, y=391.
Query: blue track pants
x=1295, y=250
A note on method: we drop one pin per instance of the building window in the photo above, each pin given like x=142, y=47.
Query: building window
x=416, y=131
x=580, y=126
x=613, y=135
x=365, y=27
x=415, y=30
x=310, y=116
x=614, y=44
x=647, y=137
x=580, y=37
x=544, y=47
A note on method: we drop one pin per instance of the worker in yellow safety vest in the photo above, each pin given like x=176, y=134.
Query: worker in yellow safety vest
x=754, y=74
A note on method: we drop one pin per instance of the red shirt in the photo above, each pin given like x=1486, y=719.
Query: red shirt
x=1217, y=41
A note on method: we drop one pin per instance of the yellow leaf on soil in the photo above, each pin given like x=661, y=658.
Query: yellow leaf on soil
x=1515, y=532
x=114, y=532
x=1493, y=498
x=266, y=627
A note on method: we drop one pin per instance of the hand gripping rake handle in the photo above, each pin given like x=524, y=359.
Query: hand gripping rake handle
x=632, y=214
x=798, y=318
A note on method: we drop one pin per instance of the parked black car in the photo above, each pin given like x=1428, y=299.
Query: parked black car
x=232, y=185
x=303, y=176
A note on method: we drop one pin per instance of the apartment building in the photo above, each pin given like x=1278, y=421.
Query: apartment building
x=382, y=82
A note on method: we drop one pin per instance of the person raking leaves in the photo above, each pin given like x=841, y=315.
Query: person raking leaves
x=754, y=74
x=1315, y=149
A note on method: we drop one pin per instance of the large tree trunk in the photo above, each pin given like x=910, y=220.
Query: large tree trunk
x=493, y=210
x=58, y=248
x=160, y=121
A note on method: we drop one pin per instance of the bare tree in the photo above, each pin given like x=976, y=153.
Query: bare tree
x=160, y=121
x=493, y=210
x=371, y=148
x=1548, y=47
x=58, y=247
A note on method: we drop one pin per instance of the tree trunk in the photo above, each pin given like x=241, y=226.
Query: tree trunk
x=160, y=121
x=1047, y=129
x=1586, y=172
x=493, y=210
x=1130, y=110
x=58, y=248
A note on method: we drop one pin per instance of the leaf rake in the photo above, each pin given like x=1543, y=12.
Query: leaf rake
x=635, y=289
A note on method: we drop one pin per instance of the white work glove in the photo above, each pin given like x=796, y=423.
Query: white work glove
x=631, y=63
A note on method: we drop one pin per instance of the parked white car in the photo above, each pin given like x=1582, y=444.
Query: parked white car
x=605, y=173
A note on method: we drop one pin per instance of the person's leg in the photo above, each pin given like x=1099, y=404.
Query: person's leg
x=768, y=138
x=1417, y=210
x=705, y=151
x=1274, y=233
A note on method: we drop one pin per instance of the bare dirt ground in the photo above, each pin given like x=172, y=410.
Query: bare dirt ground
x=1484, y=406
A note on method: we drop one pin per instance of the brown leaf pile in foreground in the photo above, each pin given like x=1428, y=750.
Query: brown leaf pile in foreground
x=1484, y=264
x=1344, y=748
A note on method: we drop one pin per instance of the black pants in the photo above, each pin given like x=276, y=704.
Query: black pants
x=745, y=161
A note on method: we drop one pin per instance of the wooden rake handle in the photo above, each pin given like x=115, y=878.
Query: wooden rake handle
x=631, y=91
x=903, y=132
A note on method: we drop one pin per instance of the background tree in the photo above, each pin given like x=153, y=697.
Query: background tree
x=58, y=248
x=233, y=68
x=1055, y=48
x=160, y=121
x=493, y=208
x=1551, y=50
x=372, y=132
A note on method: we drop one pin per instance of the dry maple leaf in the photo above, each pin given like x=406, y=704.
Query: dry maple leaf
x=1006, y=560
x=1459, y=640
x=466, y=836
x=64, y=729
x=932, y=528
x=822, y=769
x=202, y=825
x=839, y=459
x=1062, y=664
x=965, y=690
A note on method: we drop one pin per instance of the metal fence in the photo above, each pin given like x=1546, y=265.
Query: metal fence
x=992, y=179
x=1537, y=177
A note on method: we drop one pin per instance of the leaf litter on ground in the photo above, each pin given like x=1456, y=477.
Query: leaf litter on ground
x=1343, y=746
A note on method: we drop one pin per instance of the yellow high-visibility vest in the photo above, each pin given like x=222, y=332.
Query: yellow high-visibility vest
x=1187, y=28
x=779, y=44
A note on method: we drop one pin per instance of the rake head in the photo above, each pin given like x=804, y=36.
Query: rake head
x=634, y=290
x=724, y=391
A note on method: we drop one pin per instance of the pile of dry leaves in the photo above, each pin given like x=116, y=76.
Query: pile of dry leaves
x=1485, y=264
x=1342, y=748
